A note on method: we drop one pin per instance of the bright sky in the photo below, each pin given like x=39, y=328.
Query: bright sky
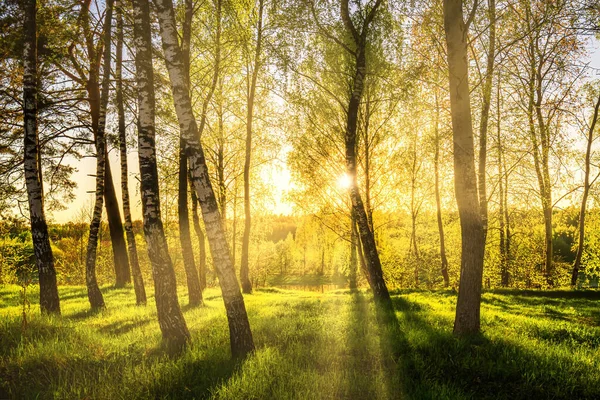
x=276, y=175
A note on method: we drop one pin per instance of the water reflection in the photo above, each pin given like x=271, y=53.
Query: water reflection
x=313, y=288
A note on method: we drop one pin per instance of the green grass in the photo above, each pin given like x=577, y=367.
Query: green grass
x=335, y=345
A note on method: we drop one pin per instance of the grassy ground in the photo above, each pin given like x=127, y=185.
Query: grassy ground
x=310, y=346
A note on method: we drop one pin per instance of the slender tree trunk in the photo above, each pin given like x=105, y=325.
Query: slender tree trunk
x=94, y=294
x=185, y=239
x=244, y=270
x=322, y=269
x=239, y=327
x=138, y=280
x=367, y=237
x=44, y=259
x=193, y=280
x=234, y=225
x=539, y=136
x=502, y=213
x=368, y=207
x=415, y=248
x=469, y=296
x=201, y=239
x=586, y=191
x=115, y=226
x=414, y=212
x=119, y=248
x=361, y=257
x=170, y=318
x=438, y=202
x=221, y=184
x=485, y=113
x=353, y=251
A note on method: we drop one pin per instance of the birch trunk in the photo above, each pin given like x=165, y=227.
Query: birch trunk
x=185, y=240
x=239, y=327
x=94, y=294
x=170, y=318
x=44, y=259
x=201, y=239
x=467, y=319
x=244, y=270
x=138, y=280
x=92, y=84
x=380, y=291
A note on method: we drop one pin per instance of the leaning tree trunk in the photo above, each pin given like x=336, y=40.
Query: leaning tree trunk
x=115, y=226
x=586, y=192
x=170, y=318
x=44, y=259
x=467, y=319
x=380, y=291
x=438, y=202
x=244, y=270
x=138, y=280
x=239, y=326
x=185, y=240
x=94, y=294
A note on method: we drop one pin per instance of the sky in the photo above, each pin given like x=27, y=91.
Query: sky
x=278, y=174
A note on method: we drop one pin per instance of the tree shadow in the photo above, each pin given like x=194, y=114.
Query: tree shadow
x=196, y=378
x=122, y=327
x=552, y=294
x=434, y=364
x=38, y=330
x=557, y=309
x=373, y=376
x=84, y=314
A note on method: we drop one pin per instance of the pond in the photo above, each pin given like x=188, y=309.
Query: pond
x=313, y=288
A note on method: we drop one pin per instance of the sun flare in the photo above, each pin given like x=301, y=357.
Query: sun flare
x=344, y=181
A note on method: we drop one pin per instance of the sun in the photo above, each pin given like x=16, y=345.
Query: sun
x=344, y=181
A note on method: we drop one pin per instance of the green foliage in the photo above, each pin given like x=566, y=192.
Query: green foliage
x=309, y=345
x=18, y=260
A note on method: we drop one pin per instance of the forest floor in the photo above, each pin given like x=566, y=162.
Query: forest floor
x=332, y=345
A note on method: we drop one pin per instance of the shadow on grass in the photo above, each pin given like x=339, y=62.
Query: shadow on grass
x=121, y=327
x=433, y=364
x=38, y=330
x=84, y=314
x=548, y=308
x=376, y=377
x=552, y=294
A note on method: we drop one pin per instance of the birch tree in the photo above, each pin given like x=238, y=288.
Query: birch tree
x=185, y=240
x=239, y=327
x=49, y=300
x=138, y=280
x=170, y=318
x=94, y=295
x=358, y=39
x=245, y=280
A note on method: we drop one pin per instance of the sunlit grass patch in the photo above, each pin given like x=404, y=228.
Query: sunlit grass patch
x=328, y=345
